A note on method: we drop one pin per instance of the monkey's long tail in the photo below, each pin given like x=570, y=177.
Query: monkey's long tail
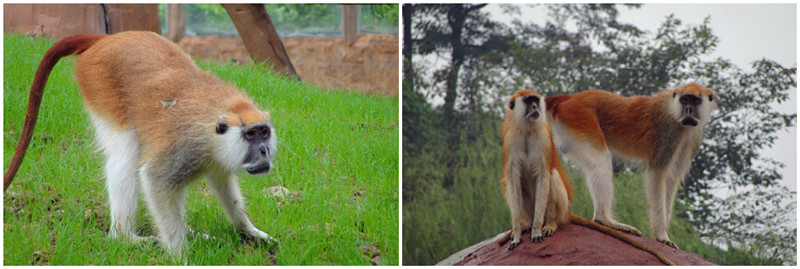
x=618, y=235
x=68, y=46
x=504, y=239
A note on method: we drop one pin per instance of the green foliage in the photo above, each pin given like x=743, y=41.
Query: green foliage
x=208, y=19
x=379, y=18
x=597, y=51
x=438, y=220
x=290, y=19
x=308, y=19
x=337, y=151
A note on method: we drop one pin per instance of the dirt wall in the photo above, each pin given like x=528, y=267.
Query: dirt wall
x=369, y=65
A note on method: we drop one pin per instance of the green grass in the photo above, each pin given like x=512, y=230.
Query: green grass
x=337, y=150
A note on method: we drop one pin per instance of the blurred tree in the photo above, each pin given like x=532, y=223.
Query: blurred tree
x=462, y=30
x=466, y=33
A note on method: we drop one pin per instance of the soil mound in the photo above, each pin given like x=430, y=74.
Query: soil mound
x=571, y=245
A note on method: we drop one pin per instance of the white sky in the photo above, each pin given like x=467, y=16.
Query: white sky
x=746, y=32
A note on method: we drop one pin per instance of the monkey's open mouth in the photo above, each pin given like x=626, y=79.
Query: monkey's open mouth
x=533, y=114
x=260, y=169
x=689, y=121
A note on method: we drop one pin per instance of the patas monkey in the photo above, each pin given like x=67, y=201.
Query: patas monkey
x=534, y=184
x=664, y=131
x=160, y=122
x=532, y=178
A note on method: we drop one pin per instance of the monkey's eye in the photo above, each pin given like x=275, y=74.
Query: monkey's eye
x=265, y=132
x=511, y=104
x=250, y=134
x=673, y=94
x=221, y=128
x=711, y=98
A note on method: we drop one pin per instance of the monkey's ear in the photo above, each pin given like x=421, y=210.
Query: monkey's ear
x=511, y=104
x=222, y=127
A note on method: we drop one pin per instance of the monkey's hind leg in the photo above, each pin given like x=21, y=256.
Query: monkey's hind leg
x=226, y=187
x=550, y=224
x=558, y=205
x=596, y=164
x=121, y=151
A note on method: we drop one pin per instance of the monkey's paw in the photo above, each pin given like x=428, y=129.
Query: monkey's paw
x=549, y=229
x=258, y=236
x=537, y=236
x=668, y=243
x=513, y=245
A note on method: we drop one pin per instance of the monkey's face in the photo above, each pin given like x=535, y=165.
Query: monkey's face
x=259, y=153
x=248, y=147
x=692, y=104
x=527, y=105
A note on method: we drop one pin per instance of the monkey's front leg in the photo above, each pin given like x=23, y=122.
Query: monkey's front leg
x=542, y=192
x=656, y=186
x=167, y=205
x=514, y=200
x=226, y=187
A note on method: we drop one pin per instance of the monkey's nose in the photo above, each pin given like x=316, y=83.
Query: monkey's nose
x=263, y=151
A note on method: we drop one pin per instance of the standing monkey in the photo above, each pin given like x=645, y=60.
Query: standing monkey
x=664, y=130
x=160, y=122
x=534, y=184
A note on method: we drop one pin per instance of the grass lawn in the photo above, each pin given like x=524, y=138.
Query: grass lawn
x=337, y=153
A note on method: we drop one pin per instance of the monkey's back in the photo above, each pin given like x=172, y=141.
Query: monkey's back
x=625, y=123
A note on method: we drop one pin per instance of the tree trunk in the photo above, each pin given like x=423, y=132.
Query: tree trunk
x=260, y=37
x=408, y=11
x=456, y=16
x=127, y=17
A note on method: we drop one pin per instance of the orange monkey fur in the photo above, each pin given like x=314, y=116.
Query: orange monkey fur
x=161, y=123
x=538, y=129
x=529, y=170
x=664, y=130
x=630, y=134
x=134, y=98
x=127, y=96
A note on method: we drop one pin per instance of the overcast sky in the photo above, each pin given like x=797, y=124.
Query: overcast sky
x=747, y=32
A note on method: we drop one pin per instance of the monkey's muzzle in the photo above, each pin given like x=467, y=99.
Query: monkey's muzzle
x=258, y=169
x=533, y=114
x=689, y=121
x=690, y=103
x=532, y=107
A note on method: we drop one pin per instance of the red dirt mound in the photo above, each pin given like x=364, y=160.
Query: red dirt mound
x=571, y=245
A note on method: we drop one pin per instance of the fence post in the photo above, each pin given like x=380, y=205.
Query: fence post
x=349, y=18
